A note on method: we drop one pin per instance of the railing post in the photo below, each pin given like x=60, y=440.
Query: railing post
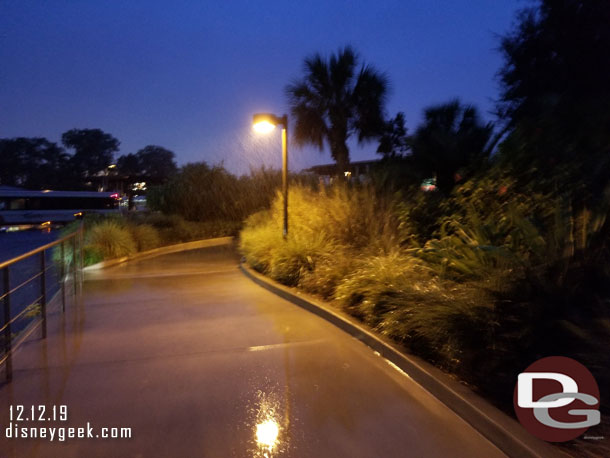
x=7, y=321
x=74, y=262
x=63, y=278
x=82, y=261
x=43, y=291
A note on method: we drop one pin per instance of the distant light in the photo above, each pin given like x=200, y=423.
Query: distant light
x=78, y=214
x=46, y=190
x=114, y=195
x=267, y=433
x=428, y=184
x=112, y=166
x=139, y=186
x=263, y=127
x=348, y=174
x=46, y=223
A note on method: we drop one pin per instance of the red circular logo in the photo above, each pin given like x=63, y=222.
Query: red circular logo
x=557, y=399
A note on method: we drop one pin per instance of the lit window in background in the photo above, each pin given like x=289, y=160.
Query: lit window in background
x=139, y=186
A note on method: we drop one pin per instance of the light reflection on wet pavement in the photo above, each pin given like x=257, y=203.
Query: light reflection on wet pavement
x=199, y=361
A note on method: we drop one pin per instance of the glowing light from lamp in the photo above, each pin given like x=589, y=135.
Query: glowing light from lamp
x=263, y=127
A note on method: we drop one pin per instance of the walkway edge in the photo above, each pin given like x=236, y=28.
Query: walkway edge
x=501, y=430
x=161, y=251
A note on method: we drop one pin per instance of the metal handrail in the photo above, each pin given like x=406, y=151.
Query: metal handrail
x=5, y=331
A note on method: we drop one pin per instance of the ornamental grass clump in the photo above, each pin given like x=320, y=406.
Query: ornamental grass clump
x=325, y=227
x=145, y=236
x=110, y=240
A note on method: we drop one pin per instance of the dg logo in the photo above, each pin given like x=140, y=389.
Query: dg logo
x=557, y=399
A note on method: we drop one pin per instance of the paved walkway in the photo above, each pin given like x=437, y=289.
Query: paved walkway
x=200, y=362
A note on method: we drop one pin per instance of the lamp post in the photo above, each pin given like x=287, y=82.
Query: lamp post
x=265, y=123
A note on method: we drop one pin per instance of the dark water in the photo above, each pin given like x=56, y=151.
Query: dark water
x=14, y=244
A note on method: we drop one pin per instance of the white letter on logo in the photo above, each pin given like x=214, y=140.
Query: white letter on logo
x=525, y=389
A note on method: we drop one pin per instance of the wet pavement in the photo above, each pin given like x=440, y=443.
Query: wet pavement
x=201, y=362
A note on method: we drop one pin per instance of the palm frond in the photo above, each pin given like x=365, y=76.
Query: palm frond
x=333, y=102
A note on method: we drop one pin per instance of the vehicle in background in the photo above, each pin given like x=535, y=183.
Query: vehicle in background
x=21, y=207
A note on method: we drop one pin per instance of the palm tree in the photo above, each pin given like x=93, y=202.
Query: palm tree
x=337, y=98
x=452, y=138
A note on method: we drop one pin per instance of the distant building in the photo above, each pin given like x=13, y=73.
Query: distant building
x=360, y=170
x=356, y=169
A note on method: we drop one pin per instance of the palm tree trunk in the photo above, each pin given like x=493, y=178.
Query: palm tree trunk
x=341, y=155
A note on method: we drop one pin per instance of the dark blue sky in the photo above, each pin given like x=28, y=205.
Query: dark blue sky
x=188, y=75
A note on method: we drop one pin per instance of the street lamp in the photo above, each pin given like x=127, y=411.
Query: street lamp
x=265, y=123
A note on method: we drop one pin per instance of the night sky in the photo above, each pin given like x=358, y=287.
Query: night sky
x=188, y=75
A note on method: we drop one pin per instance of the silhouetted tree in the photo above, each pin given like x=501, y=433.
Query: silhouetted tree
x=157, y=163
x=394, y=141
x=129, y=165
x=556, y=90
x=337, y=98
x=152, y=164
x=198, y=192
x=33, y=163
x=451, y=138
x=93, y=150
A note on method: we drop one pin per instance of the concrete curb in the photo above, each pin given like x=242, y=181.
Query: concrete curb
x=161, y=251
x=497, y=427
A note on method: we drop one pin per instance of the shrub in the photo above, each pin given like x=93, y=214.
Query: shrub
x=330, y=269
x=92, y=255
x=258, y=239
x=118, y=235
x=175, y=229
x=110, y=240
x=145, y=236
x=379, y=283
x=482, y=283
x=323, y=225
x=199, y=192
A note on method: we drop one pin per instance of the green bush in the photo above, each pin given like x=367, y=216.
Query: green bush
x=378, y=284
x=323, y=225
x=199, y=192
x=482, y=282
x=118, y=235
x=110, y=240
x=145, y=236
x=330, y=269
x=172, y=229
x=92, y=255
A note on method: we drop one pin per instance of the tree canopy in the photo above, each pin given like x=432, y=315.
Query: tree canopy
x=555, y=87
x=37, y=163
x=337, y=98
x=93, y=150
x=157, y=163
x=153, y=163
x=32, y=163
x=394, y=141
x=451, y=137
